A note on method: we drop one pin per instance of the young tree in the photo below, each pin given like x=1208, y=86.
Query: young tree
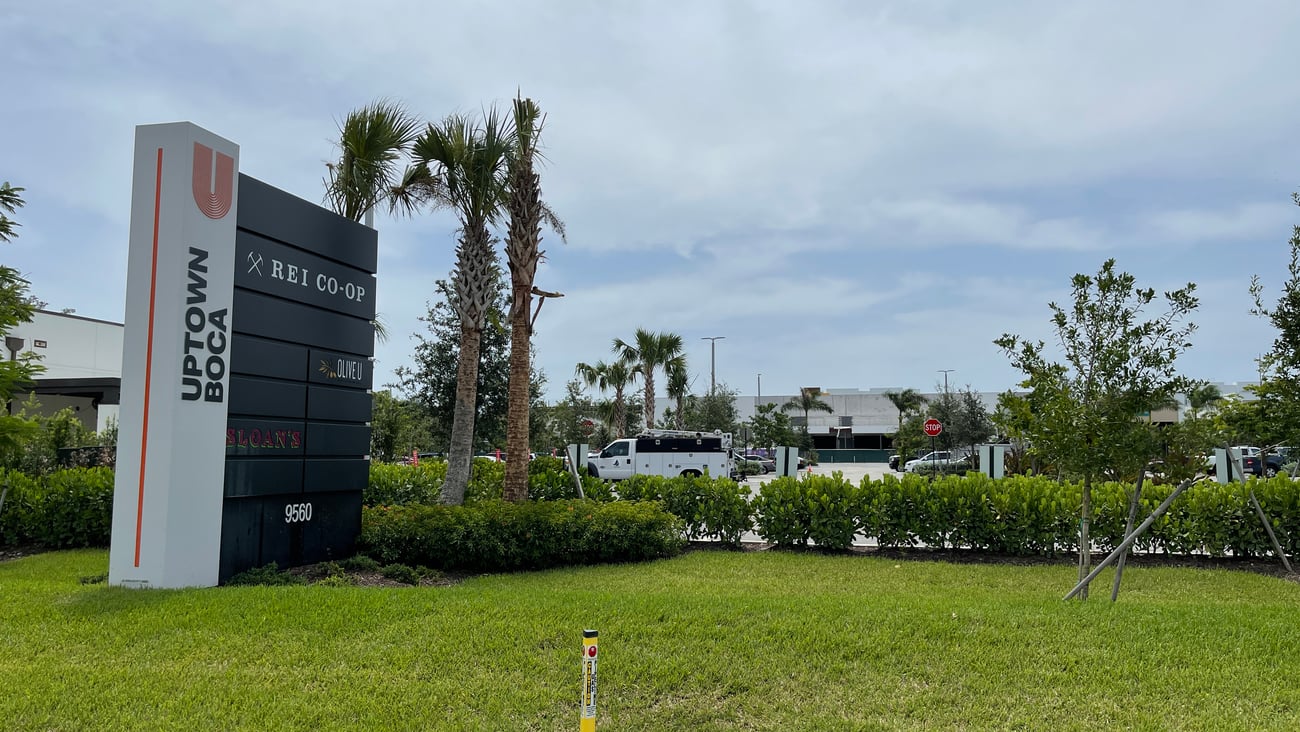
x=431, y=381
x=15, y=307
x=771, y=427
x=715, y=411
x=1280, y=367
x=647, y=353
x=1013, y=419
x=966, y=422
x=397, y=426
x=1115, y=367
x=563, y=422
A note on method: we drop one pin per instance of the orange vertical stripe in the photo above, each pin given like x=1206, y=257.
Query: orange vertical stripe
x=148, y=354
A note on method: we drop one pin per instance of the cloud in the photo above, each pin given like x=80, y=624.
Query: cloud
x=1245, y=221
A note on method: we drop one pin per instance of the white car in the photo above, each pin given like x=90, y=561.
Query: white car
x=935, y=458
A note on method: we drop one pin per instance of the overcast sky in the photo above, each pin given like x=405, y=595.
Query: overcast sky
x=854, y=194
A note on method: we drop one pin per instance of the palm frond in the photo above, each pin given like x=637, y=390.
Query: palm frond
x=372, y=143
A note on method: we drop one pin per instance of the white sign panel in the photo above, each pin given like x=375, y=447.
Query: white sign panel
x=175, y=359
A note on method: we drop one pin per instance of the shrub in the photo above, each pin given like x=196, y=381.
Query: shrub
x=492, y=536
x=549, y=481
x=269, y=574
x=834, y=511
x=825, y=509
x=486, y=480
x=66, y=509
x=781, y=515
x=398, y=485
x=403, y=573
x=18, y=514
x=76, y=509
x=711, y=508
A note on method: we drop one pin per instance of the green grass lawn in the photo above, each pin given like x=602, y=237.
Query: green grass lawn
x=710, y=640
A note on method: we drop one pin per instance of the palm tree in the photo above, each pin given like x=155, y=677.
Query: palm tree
x=373, y=141
x=647, y=352
x=1201, y=396
x=809, y=400
x=470, y=161
x=905, y=401
x=679, y=387
x=614, y=376
x=527, y=213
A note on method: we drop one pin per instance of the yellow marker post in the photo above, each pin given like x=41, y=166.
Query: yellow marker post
x=587, y=719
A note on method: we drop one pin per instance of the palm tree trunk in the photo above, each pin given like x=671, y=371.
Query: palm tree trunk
x=620, y=414
x=649, y=399
x=517, y=447
x=460, y=454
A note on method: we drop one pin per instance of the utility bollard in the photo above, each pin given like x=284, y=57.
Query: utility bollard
x=587, y=720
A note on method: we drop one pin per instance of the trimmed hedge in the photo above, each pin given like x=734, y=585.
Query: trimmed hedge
x=1022, y=515
x=65, y=509
x=712, y=508
x=402, y=485
x=496, y=536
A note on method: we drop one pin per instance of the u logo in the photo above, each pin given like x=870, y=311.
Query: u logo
x=213, y=193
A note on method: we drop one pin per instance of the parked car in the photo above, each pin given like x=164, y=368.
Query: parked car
x=1250, y=462
x=1276, y=460
x=767, y=464
x=959, y=464
x=929, y=457
x=896, y=461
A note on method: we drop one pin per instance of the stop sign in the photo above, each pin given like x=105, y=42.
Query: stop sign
x=933, y=427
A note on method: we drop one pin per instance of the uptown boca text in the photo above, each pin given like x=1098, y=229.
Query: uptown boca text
x=205, y=337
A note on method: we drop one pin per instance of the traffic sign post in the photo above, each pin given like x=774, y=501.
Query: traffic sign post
x=933, y=428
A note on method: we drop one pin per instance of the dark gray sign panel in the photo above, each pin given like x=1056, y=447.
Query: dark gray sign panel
x=264, y=437
x=298, y=434
x=283, y=271
x=264, y=477
x=254, y=397
x=275, y=214
x=340, y=369
x=270, y=317
x=262, y=357
x=325, y=404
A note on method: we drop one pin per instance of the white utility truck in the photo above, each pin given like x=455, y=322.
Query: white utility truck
x=669, y=453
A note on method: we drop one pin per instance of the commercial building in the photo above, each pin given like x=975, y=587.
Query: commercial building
x=82, y=358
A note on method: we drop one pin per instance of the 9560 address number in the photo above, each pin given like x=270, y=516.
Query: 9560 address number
x=297, y=512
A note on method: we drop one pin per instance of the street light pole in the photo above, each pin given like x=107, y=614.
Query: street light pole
x=760, y=389
x=945, y=373
x=713, y=361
